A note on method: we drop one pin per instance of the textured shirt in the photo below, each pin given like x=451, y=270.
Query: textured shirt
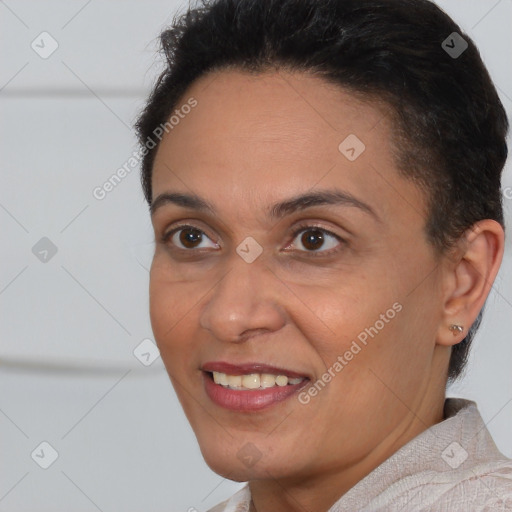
x=452, y=466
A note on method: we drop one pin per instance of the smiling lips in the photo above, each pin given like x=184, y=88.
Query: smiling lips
x=249, y=387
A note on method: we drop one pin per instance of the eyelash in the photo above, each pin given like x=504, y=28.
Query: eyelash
x=299, y=229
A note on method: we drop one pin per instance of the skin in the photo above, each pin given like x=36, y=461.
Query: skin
x=255, y=140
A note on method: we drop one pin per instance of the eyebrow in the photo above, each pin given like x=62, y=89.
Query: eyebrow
x=320, y=198
x=276, y=211
x=190, y=201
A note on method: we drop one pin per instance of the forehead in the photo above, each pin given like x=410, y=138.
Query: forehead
x=276, y=134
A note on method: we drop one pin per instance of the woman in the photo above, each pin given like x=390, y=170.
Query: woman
x=324, y=185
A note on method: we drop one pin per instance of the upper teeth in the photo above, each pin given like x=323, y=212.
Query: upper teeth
x=253, y=380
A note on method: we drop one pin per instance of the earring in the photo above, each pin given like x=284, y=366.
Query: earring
x=456, y=329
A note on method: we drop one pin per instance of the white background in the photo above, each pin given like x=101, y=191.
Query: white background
x=68, y=375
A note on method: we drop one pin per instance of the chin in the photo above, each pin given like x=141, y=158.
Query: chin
x=228, y=471
x=241, y=461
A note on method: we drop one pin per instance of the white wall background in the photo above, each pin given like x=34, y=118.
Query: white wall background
x=69, y=326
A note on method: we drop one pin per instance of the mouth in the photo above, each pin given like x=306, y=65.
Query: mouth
x=250, y=387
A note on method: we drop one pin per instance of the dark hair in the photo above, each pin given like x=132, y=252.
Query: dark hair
x=449, y=123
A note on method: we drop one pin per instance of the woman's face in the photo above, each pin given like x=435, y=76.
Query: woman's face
x=294, y=251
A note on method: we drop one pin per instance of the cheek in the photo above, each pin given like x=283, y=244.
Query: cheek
x=349, y=310
x=170, y=294
x=162, y=309
x=356, y=327
x=172, y=310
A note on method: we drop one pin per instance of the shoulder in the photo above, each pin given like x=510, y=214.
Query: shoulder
x=479, y=488
x=487, y=487
x=476, y=476
x=454, y=465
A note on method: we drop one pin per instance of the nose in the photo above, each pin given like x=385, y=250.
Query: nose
x=245, y=302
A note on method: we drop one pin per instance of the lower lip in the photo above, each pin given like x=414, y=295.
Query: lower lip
x=250, y=399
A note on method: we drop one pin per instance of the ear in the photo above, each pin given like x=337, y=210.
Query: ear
x=468, y=277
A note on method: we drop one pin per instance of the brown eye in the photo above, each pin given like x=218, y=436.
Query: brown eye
x=312, y=239
x=190, y=237
x=315, y=240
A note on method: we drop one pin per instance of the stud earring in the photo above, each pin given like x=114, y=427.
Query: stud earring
x=456, y=329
